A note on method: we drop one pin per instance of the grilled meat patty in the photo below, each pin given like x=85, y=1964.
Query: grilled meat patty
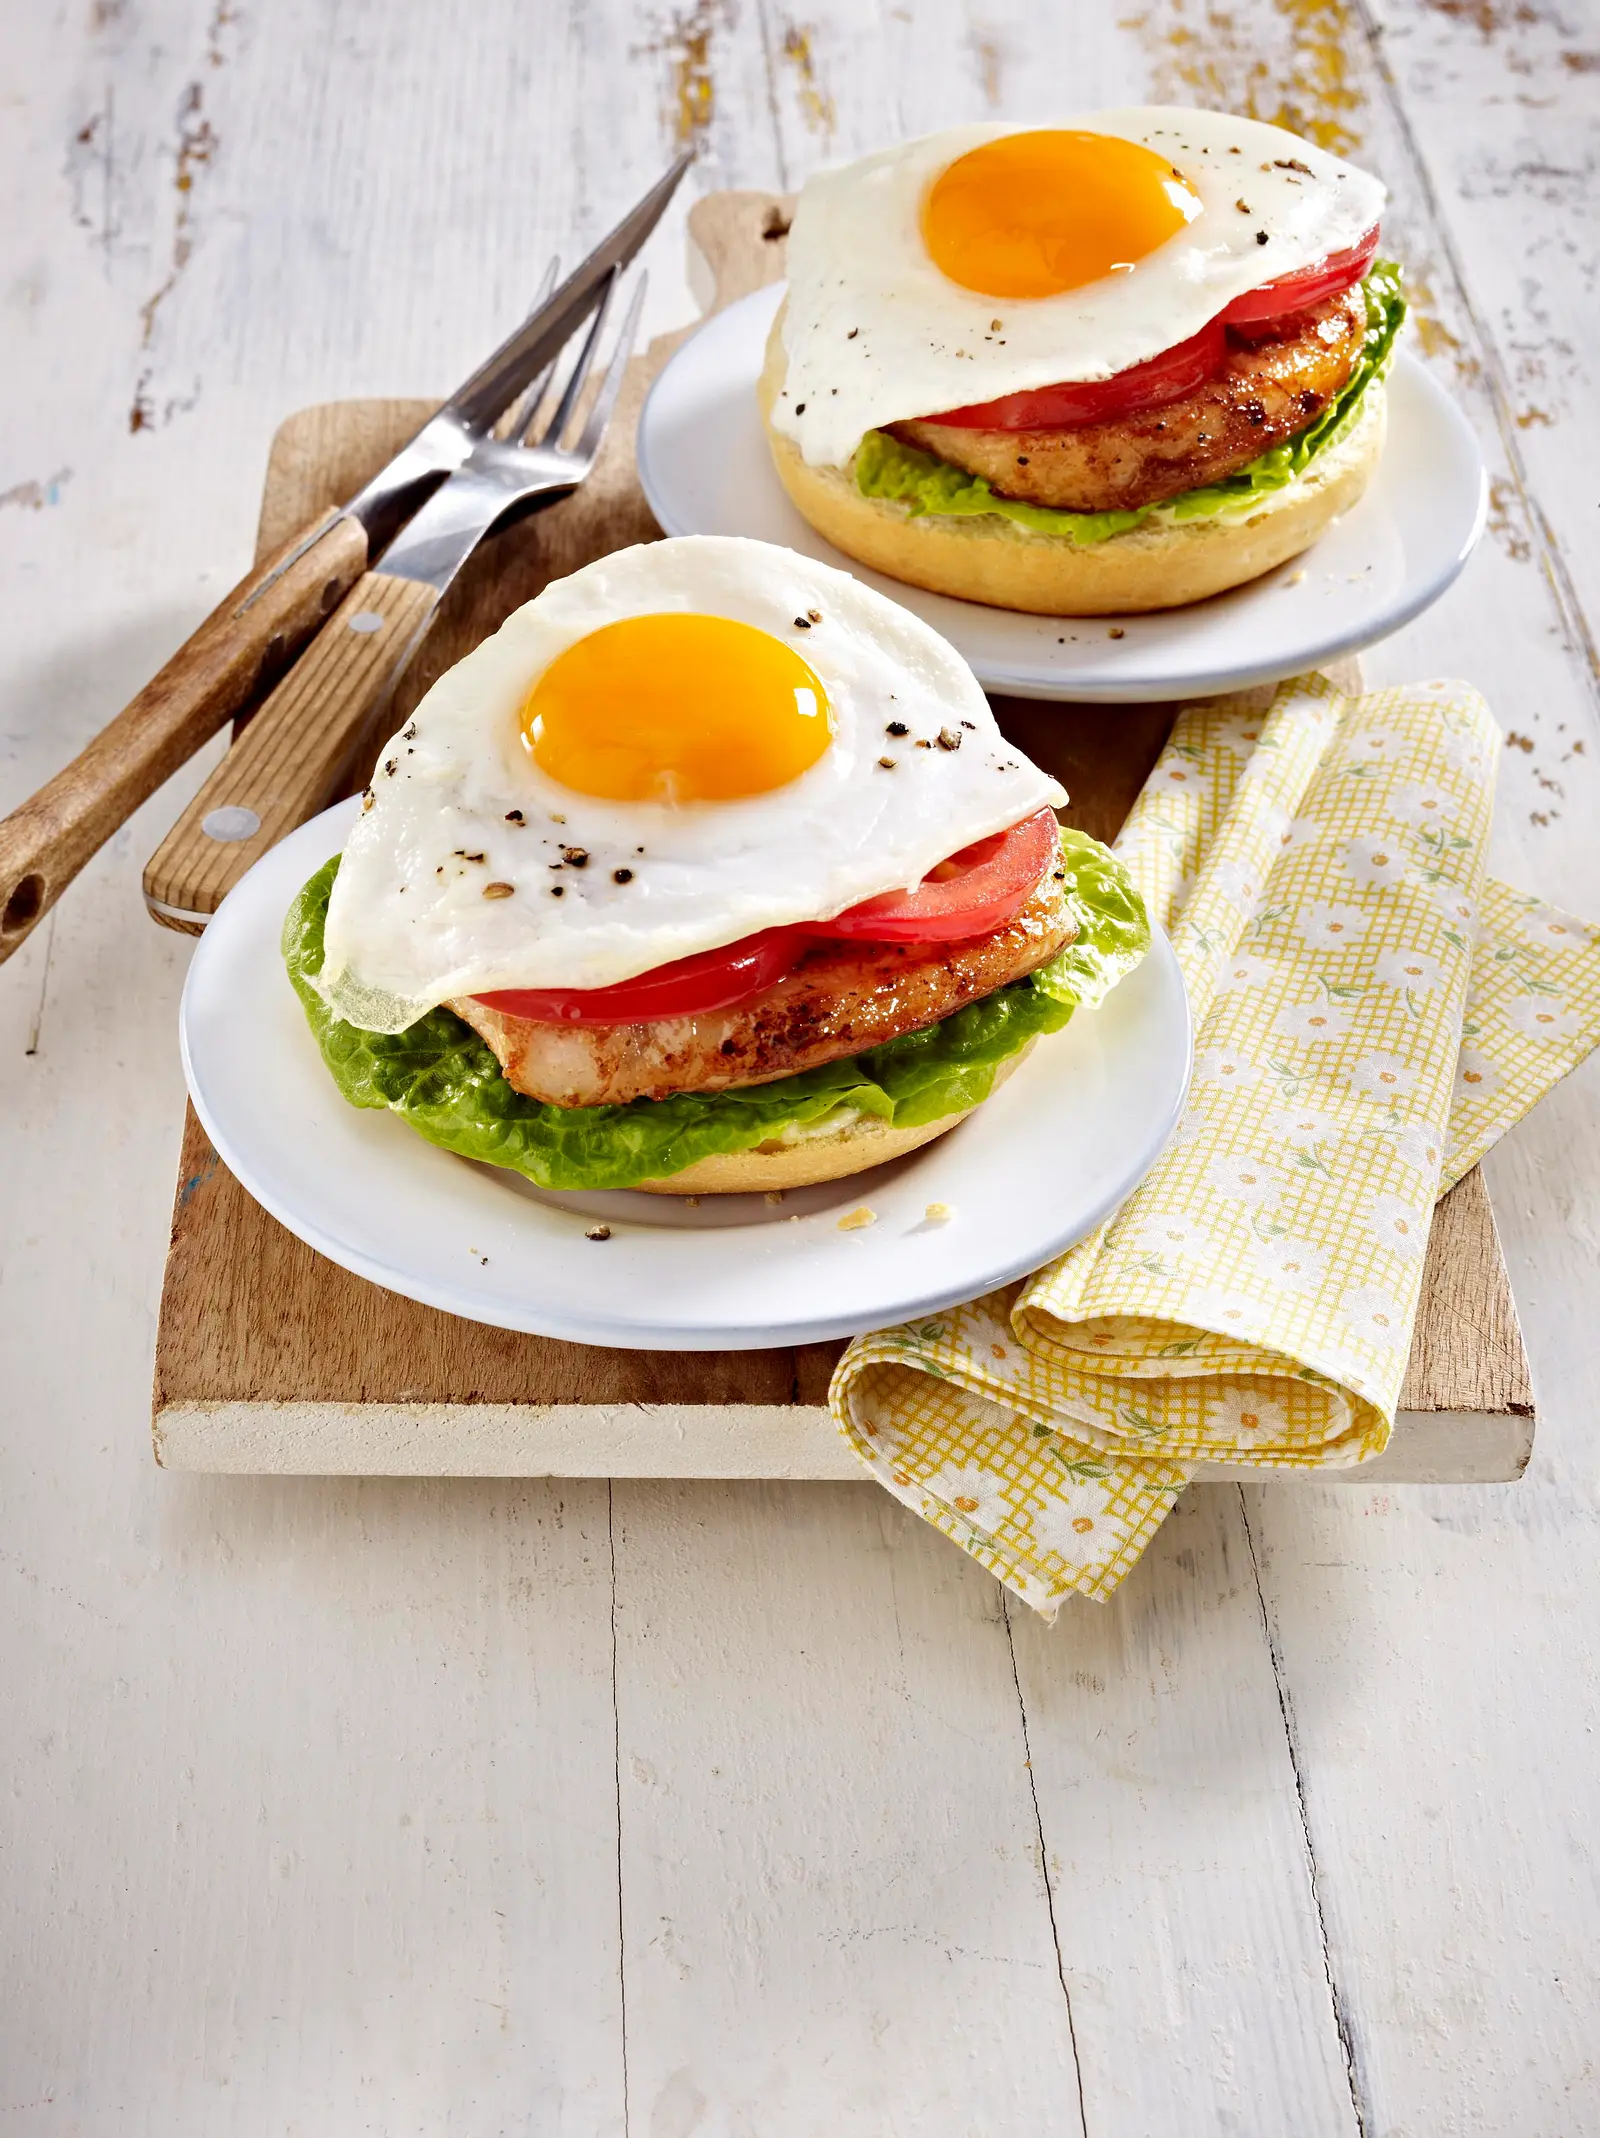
x=840, y=999
x=1276, y=382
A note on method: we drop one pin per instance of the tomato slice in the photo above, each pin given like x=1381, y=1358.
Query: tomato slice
x=1176, y=371
x=973, y=893
x=711, y=980
x=1167, y=377
x=1311, y=285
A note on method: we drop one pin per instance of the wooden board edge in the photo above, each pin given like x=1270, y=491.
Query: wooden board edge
x=794, y=1442
x=1467, y=1352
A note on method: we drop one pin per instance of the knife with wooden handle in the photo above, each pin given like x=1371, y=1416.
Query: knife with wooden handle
x=297, y=752
x=215, y=674
x=270, y=616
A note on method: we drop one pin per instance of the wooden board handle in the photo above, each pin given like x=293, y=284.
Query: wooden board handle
x=215, y=674
x=297, y=753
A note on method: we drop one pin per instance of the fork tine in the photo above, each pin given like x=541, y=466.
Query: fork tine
x=526, y=406
x=606, y=400
x=568, y=403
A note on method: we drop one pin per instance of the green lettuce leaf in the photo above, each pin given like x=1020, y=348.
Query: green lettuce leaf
x=924, y=483
x=1112, y=927
x=441, y=1077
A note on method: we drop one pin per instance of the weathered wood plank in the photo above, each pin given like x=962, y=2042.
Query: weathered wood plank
x=834, y=1912
x=1172, y=1814
x=1439, y=1659
x=1500, y=102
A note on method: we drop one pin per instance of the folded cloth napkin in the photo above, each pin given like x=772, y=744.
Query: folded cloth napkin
x=1370, y=1015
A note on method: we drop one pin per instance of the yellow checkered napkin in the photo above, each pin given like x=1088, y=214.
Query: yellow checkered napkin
x=1370, y=1015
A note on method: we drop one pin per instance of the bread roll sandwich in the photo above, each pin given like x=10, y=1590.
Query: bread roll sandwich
x=709, y=872
x=1116, y=365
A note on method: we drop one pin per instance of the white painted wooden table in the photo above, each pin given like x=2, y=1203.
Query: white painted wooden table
x=670, y=1809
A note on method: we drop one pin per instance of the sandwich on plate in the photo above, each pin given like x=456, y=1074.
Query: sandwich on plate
x=709, y=871
x=1114, y=365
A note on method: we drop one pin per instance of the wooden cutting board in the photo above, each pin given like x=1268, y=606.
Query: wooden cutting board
x=269, y=1358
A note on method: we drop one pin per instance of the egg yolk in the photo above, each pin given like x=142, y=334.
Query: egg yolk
x=677, y=708
x=1030, y=215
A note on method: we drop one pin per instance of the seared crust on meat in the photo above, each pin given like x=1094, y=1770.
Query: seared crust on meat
x=1158, y=565
x=840, y=999
x=1270, y=391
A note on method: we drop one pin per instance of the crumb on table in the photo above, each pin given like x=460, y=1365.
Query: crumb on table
x=858, y=1220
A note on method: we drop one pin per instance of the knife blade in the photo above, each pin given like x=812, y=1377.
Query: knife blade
x=443, y=444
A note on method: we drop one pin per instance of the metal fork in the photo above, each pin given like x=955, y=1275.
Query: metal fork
x=501, y=476
x=264, y=624
x=309, y=738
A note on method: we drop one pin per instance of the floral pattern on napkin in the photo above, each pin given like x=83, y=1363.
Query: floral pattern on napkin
x=1370, y=1014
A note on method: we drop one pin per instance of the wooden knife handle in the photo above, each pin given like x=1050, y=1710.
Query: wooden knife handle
x=297, y=753
x=214, y=675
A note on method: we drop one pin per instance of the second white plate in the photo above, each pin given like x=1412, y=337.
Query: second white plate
x=705, y=469
x=1036, y=1168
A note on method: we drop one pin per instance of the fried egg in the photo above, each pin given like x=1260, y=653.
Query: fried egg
x=991, y=259
x=678, y=745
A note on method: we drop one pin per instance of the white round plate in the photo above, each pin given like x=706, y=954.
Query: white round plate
x=1040, y=1165
x=705, y=469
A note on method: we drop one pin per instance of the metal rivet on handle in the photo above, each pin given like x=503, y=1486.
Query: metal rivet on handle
x=24, y=905
x=228, y=826
x=365, y=620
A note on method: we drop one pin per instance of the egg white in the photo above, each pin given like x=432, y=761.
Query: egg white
x=408, y=923
x=875, y=333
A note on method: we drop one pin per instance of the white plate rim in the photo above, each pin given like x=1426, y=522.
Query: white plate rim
x=1419, y=592
x=295, y=858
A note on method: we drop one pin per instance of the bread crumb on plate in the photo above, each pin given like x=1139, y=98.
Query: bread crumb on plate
x=938, y=1214
x=858, y=1220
